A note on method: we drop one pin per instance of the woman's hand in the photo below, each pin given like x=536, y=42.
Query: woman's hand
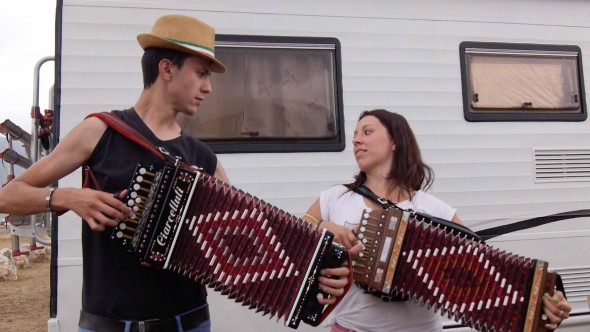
x=334, y=281
x=343, y=235
x=556, y=308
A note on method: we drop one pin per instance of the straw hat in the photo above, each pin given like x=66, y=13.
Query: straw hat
x=185, y=34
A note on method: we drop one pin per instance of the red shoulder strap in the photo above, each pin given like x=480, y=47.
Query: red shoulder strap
x=127, y=131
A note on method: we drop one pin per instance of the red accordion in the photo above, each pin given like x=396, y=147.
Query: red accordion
x=229, y=240
x=441, y=266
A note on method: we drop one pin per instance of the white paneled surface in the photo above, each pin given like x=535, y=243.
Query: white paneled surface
x=398, y=55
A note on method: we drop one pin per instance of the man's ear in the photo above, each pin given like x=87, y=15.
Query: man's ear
x=165, y=67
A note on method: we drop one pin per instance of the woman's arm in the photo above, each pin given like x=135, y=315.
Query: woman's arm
x=456, y=220
x=333, y=281
x=342, y=235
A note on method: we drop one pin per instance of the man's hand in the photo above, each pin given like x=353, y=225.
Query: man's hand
x=99, y=209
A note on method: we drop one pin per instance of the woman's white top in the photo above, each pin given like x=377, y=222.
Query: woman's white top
x=368, y=313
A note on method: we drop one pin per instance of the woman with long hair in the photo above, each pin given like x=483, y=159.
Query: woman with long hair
x=390, y=165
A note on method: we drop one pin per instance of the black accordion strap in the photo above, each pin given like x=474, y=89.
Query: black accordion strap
x=559, y=285
x=530, y=223
x=387, y=204
x=368, y=193
x=484, y=234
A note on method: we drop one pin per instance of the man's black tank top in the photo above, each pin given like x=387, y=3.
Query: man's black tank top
x=114, y=283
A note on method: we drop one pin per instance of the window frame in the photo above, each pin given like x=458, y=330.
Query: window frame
x=278, y=145
x=526, y=114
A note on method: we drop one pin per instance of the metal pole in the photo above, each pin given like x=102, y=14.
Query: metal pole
x=35, y=135
x=14, y=238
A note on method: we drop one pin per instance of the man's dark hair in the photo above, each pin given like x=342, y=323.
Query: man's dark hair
x=152, y=57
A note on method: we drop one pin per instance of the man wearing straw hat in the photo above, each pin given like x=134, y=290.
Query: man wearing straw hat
x=118, y=294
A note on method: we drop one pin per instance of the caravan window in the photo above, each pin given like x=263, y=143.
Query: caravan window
x=518, y=82
x=279, y=94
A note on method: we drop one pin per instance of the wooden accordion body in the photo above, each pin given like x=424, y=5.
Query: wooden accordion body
x=229, y=240
x=440, y=266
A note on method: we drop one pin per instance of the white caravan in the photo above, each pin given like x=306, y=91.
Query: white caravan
x=493, y=161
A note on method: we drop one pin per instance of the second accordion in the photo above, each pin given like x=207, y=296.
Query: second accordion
x=441, y=266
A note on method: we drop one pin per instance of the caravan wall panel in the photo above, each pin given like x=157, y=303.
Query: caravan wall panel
x=399, y=55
